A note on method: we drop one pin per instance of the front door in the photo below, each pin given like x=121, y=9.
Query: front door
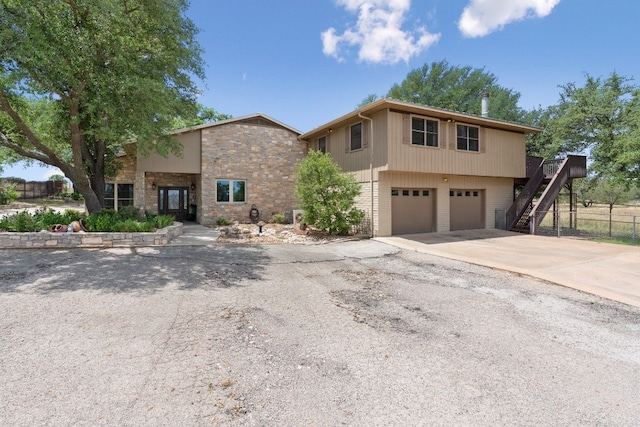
x=173, y=201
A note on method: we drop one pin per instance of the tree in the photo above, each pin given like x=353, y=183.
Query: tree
x=79, y=79
x=56, y=177
x=601, y=118
x=457, y=88
x=327, y=195
x=610, y=192
x=205, y=115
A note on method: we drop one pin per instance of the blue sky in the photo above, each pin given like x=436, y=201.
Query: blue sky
x=305, y=63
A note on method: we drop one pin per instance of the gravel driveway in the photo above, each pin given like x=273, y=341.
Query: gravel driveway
x=356, y=334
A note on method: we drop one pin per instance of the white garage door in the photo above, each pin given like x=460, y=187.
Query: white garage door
x=412, y=210
x=466, y=207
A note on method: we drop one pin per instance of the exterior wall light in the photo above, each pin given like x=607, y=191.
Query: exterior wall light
x=153, y=186
x=193, y=185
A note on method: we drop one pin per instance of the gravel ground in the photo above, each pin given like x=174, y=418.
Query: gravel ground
x=354, y=333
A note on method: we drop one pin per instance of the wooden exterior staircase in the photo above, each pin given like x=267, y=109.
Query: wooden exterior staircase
x=525, y=215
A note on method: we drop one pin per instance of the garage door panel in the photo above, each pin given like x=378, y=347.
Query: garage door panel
x=412, y=210
x=466, y=209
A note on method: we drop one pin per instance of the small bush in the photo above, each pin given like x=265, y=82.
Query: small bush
x=8, y=194
x=221, y=221
x=162, y=221
x=21, y=222
x=130, y=212
x=104, y=221
x=279, y=219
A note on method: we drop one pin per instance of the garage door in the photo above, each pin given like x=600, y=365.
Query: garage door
x=412, y=210
x=466, y=209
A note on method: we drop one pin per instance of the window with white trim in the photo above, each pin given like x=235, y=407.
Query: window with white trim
x=355, y=141
x=322, y=144
x=231, y=191
x=468, y=138
x=118, y=195
x=424, y=132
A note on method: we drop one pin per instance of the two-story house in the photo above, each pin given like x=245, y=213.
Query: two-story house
x=425, y=169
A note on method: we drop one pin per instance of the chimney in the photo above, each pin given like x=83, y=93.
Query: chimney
x=485, y=104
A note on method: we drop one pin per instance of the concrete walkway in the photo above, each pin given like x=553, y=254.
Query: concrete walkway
x=194, y=234
x=604, y=269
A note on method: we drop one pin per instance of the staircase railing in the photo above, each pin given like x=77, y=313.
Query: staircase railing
x=571, y=167
x=524, y=199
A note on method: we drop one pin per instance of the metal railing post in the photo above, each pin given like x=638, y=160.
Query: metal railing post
x=559, y=226
x=633, y=234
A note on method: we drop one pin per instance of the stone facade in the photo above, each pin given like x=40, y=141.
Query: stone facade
x=264, y=155
x=255, y=149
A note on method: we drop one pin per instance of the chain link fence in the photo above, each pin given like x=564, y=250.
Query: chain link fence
x=590, y=224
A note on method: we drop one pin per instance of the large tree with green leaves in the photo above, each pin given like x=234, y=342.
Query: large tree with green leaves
x=78, y=78
x=442, y=85
x=601, y=118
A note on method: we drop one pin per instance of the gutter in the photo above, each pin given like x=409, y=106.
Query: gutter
x=370, y=168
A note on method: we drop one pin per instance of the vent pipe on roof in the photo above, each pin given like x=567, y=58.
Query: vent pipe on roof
x=485, y=104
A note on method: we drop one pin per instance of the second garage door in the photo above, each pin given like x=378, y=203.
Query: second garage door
x=466, y=209
x=412, y=210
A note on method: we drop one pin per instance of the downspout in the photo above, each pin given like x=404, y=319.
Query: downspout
x=370, y=168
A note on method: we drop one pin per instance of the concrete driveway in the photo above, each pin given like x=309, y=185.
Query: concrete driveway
x=604, y=269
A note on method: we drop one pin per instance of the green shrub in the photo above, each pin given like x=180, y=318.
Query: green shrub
x=223, y=221
x=162, y=221
x=8, y=194
x=46, y=217
x=279, y=219
x=21, y=222
x=327, y=195
x=131, y=212
x=103, y=220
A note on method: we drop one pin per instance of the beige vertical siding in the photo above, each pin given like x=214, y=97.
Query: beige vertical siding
x=188, y=163
x=502, y=153
x=359, y=161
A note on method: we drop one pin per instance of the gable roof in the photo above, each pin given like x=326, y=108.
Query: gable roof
x=408, y=107
x=256, y=119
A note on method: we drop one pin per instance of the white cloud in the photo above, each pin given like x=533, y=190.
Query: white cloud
x=378, y=33
x=482, y=17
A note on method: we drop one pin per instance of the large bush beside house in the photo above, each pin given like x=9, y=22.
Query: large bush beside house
x=327, y=195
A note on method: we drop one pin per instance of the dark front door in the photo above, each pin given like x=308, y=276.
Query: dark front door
x=173, y=201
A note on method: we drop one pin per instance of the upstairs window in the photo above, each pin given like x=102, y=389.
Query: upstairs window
x=468, y=138
x=424, y=132
x=355, y=141
x=322, y=144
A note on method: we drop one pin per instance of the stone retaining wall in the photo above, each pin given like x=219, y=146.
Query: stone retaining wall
x=47, y=239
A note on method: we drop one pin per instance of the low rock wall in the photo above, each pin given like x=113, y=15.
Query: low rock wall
x=46, y=239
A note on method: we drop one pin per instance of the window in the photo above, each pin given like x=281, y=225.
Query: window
x=468, y=138
x=424, y=132
x=394, y=192
x=231, y=191
x=118, y=195
x=322, y=144
x=356, y=137
x=405, y=192
x=425, y=193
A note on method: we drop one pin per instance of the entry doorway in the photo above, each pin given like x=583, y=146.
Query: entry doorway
x=173, y=201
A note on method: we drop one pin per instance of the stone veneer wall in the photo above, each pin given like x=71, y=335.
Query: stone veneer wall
x=89, y=240
x=266, y=157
